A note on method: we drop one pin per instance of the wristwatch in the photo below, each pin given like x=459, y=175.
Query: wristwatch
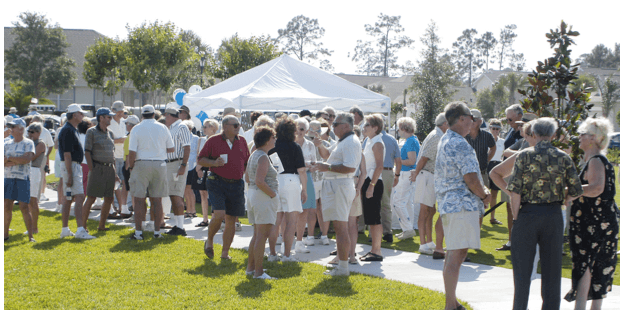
x=183, y=164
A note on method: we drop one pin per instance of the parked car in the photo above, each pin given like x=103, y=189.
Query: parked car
x=614, y=142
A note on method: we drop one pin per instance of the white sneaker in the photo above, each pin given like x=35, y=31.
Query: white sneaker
x=309, y=241
x=337, y=271
x=84, y=235
x=425, y=250
x=291, y=258
x=59, y=208
x=279, y=240
x=250, y=272
x=431, y=246
x=273, y=258
x=238, y=226
x=300, y=248
x=149, y=227
x=405, y=235
x=43, y=197
x=325, y=241
x=264, y=276
x=66, y=232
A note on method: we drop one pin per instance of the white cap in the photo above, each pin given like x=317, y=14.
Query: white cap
x=12, y=110
x=117, y=106
x=74, y=108
x=172, y=108
x=132, y=119
x=147, y=109
x=34, y=101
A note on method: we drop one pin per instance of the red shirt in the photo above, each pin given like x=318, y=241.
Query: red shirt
x=237, y=157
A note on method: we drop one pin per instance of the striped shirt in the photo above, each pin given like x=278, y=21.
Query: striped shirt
x=181, y=137
x=429, y=148
x=481, y=144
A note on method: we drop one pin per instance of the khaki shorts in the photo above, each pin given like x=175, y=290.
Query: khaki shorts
x=149, y=175
x=337, y=198
x=261, y=208
x=461, y=230
x=424, y=189
x=100, y=181
x=175, y=187
x=318, y=189
x=77, y=187
x=35, y=181
x=357, y=207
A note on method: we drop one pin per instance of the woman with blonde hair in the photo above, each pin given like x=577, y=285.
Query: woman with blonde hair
x=403, y=191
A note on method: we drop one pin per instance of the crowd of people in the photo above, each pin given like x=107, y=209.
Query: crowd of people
x=344, y=172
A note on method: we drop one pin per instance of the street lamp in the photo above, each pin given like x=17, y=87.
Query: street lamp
x=202, y=64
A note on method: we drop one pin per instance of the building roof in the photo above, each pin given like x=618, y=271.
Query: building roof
x=393, y=86
x=79, y=40
x=493, y=75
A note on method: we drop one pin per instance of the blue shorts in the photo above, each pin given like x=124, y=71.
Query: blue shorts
x=310, y=203
x=226, y=196
x=17, y=189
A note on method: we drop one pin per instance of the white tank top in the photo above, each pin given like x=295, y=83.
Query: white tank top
x=370, y=160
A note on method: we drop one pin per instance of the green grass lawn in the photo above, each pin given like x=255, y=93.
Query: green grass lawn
x=113, y=272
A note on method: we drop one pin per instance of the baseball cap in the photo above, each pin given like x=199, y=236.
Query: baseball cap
x=74, y=108
x=34, y=101
x=147, y=109
x=172, y=108
x=132, y=120
x=476, y=113
x=117, y=106
x=104, y=111
x=18, y=122
x=13, y=110
x=185, y=109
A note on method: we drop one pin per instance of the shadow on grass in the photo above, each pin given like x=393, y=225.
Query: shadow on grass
x=252, y=287
x=283, y=270
x=336, y=286
x=211, y=269
x=16, y=240
x=126, y=244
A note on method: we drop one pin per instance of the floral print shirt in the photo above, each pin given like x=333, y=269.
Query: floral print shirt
x=541, y=173
x=455, y=158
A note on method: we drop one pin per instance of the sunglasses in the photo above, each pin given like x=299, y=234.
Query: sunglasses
x=495, y=128
x=30, y=131
x=301, y=129
x=335, y=124
x=332, y=116
x=235, y=125
x=510, y=119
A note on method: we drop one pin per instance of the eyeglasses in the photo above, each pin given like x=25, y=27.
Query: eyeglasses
x=495, y=128
x=302, y=129
x=510, y=119
x=335, y=124
x=331, y=116
x=31, y=131
x=235, y=125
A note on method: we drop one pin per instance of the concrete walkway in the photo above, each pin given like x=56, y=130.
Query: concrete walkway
x=484, y=287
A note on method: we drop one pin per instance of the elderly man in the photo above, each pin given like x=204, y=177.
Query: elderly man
x=424, y=190
x=71, y=154
x=483, y=143
x=150, y=141
x=230, y=111
x=338, y=190
x=46, y=137
x=176, y=167
x=13, y=112
x=391, y=172
x=331, y=118
x=359, y=119
x=184, y=113
x=461, y=196
x=99, y=153
x=227, y=156
x=514, y=116
x=117, y=127
x=543, y=175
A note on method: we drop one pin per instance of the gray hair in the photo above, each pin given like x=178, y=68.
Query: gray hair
x=303, y=122
x=356, y=110
x=454, y=110
x=440, y=119
x=36, y=126
x=407, y=124
x=599, y=128
x=346, y=118
x=516, y=108
x=189, y=124
x=264, y=120
x=37, y=118
x=327, y=108
x=227, y=119
x=544, y=127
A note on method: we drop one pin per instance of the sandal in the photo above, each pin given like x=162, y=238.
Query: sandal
x=104, y=229
x=187, y=215
x=194, y=214
x=335, y=261
x=203, y=223
x=333, y=253
x=495, y=221
x=371, y=257
x=209, y=251
x=226, y=258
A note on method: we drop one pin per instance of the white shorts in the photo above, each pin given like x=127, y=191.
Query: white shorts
x=318, y=189
x=424, y=189
x=35, y=181
x=76, y=169
x=337, y=198
x=261, y=208
x=461, y=230
x=289, y=193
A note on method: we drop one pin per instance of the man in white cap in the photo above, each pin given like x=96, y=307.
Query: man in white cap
x=176, y=166
x=33, y=107
x=13, y=112
x=71, y=154
x=149, y=143
x=117, y=127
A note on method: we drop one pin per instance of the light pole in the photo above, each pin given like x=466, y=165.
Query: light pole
x=202, y=64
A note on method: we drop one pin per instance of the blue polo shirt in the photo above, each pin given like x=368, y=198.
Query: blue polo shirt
x=411, y=145
x=68, y=142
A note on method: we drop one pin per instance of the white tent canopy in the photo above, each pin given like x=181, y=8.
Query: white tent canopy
x=286, y=84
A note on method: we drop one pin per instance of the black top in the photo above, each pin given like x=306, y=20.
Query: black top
x=290, y=154
x=511, y=138
x=68, y=142
x=481, y=144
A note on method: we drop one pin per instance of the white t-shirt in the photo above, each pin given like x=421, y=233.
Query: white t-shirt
x=347, y=153
x=118, y=131
x=499, y=151
x=150, y=139
x=308, y=151
x=370, y=160
x=46, y=137
x=249, y=135
x=12, y=149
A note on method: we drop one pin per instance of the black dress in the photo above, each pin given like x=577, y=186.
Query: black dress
x=594, y=224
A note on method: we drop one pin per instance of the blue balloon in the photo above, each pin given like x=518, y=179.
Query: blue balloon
x=179, y=98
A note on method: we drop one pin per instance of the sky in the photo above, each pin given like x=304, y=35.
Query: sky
x=344, y=21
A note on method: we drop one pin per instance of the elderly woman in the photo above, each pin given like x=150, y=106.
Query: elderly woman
x=594, y=220
x=372, y=188
x=263, y=198
x=308, y=151
x=403, y=191
x=34, y=132
x=542, y=174
x=210, y=127
x=18, y=153
x=292, y=176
